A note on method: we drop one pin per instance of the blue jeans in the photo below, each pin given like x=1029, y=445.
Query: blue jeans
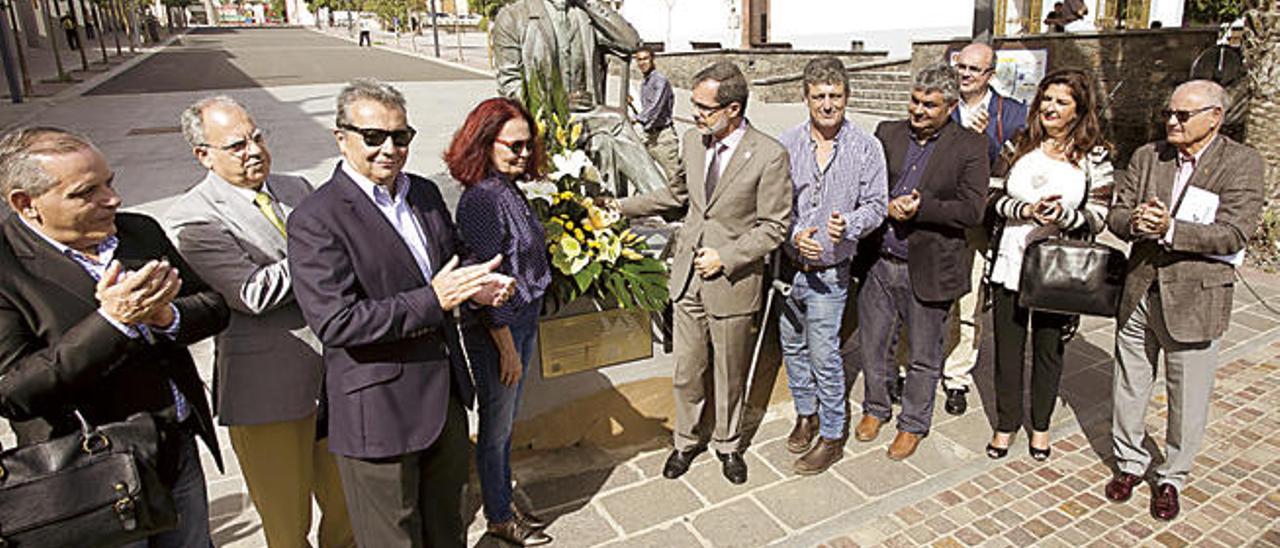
x=499, y=404
x=192, y=500
x=810, y=333
x=885, y=302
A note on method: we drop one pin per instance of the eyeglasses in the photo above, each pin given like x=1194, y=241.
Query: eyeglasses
x=516, y=147
x=1184, y=115
x=704, y=111
x=375, y=137
x=239, y=147
x=963, y=67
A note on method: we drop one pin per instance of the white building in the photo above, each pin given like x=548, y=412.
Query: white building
x=880, y=24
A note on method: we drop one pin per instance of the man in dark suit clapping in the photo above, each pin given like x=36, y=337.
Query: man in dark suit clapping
x=373, y=258
x=938, y=177
x=96, y=311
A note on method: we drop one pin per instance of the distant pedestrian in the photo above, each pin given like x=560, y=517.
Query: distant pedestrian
x=69, y=26
x=365, y=38
x=656, y=103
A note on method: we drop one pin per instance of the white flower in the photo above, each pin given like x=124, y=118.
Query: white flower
x=569, y=165
x=539, y=190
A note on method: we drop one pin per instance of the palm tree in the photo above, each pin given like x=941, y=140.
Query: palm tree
x=1262, y=66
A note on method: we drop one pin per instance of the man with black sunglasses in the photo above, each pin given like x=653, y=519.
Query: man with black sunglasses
x=374, y=262
x=1188, y=204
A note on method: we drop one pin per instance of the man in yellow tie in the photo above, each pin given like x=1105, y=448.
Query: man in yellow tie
x=268, y=367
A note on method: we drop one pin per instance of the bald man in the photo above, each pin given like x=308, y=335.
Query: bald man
x=999, y=118
x=1188, y=205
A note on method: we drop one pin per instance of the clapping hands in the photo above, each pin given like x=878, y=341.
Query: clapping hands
x=140, y=297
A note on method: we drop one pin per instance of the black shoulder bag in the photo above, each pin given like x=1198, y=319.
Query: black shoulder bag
x=95, y=487
x=1071, y=276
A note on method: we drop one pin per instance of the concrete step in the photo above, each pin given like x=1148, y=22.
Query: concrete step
x=885, y=85
x=893, y=109
x=882, y=76
x=901, y=95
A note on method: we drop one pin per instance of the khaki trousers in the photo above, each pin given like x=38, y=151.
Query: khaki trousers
x=964, y=333
x=284, y=466
x=664, y=147
x=709, y=351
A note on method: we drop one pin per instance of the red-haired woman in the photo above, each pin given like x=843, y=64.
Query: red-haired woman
x=496, y=147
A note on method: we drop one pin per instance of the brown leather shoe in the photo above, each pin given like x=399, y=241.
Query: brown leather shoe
x=529, y=520
x=518, y=533
x=1120, y=488
x=904, y=445
x=1164, y=502
x=824, y=453
x=868, y=428
x=802, y=434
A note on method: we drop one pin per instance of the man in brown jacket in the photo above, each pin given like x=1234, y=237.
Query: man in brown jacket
x=739, y=200
x=1188, y=204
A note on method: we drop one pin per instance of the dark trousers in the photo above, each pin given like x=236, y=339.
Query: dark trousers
x=412, y=500
x=886, y=302
x=365, y=39
x=1010, y=323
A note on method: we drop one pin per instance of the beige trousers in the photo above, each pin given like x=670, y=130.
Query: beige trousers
x=284, y=466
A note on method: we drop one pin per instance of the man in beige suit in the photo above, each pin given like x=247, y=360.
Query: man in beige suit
x=739, y=200
x=268, y=368
x=1188, y=204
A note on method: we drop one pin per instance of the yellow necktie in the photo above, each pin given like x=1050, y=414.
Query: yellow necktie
x=264, y=205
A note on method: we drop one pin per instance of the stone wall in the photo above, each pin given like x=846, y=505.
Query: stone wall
x=866, y=81
x=756, y=64
x=1137, y=68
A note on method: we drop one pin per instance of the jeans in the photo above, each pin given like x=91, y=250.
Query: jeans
x=885, y=302
x=499, y=405
x=810, y=333
x=191, y=500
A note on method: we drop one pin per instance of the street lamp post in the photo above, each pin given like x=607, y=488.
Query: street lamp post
x=435, y=30
x=10, y=74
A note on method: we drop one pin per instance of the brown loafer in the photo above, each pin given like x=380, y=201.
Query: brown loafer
x=1120, y=488
x=904, y=445
x=518, y=533
x=868, y=428
x=801, y=436
x=1164, y=502
x=529, y=520
x=824, y=453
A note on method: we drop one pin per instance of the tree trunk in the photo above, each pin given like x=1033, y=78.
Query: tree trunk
x=1262, y=129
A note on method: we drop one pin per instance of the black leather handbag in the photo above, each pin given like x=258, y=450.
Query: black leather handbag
x=95, y=487
x=1072, y=277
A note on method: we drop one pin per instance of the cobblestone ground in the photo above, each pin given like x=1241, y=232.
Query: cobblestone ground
x=949, y=493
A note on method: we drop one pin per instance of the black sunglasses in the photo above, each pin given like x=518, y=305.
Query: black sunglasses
x=516, y=147
x=374, y=137
x=1183, y=115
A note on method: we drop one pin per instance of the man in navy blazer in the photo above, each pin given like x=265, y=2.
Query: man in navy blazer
x=373, y=258
x=986, y=111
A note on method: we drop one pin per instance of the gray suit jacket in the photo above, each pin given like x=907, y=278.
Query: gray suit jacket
x=1195, y=290
x=268, y=364
x=745, y=218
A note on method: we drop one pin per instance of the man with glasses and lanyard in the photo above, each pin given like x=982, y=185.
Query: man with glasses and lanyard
x=986, y=111
x=374, y=263
x=268, y=368
x=1188, y=204
x=739, y=208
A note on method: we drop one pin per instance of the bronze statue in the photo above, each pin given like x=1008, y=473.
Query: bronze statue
x=569, y=38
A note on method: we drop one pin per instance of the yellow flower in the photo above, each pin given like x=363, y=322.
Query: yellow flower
x=630, y=254
x=568, y=225
x=577, y=233
x=577, y=133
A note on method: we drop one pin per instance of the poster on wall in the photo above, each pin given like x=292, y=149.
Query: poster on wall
x=1018, y=72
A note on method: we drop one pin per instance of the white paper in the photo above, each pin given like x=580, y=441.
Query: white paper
x=1201, y=207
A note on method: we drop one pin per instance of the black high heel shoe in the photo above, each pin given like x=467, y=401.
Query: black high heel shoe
x=1040, y=455
x=997, y=453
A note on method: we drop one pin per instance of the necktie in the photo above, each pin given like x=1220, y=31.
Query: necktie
x=713, y=170
x=264, y=205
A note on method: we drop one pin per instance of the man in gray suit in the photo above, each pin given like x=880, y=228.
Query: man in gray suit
x=739, y=209
x=231, y=229
x=1188, y=204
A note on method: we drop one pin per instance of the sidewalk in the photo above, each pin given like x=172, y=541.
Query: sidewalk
x=48, y=89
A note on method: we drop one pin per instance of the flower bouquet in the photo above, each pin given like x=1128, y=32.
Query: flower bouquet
x=593, y=252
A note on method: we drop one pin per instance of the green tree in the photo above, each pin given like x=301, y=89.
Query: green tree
x=487, y=8
x=1262, y=128
x=1214, y=11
